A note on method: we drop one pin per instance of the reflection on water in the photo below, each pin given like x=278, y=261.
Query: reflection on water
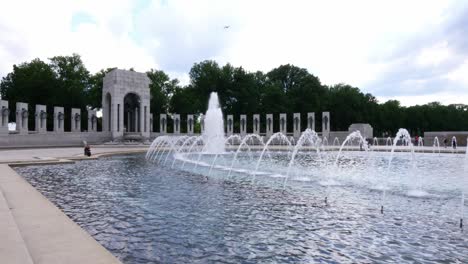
x=146, y=213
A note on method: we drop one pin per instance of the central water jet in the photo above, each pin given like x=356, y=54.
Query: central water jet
x=213, y=134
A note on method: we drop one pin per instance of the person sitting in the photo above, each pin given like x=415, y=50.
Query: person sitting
x=87, y=150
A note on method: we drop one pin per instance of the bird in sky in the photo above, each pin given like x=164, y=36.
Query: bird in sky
x=226, y=27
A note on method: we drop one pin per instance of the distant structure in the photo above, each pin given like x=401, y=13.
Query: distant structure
x=125, y=104
x=126, y=118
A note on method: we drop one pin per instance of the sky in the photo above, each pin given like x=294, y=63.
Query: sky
x=412, y=51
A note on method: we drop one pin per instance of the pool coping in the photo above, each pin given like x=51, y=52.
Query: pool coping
x=34, y=230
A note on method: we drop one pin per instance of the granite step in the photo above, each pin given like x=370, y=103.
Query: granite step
x=13, y=249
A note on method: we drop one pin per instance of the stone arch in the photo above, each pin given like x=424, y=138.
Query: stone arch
x=130, y=89
x=132, y=112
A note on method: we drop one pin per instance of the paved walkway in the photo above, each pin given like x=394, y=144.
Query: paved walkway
x=32, y=229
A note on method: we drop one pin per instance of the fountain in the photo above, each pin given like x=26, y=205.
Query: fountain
x=436, y=145
x=213, y=135
x=287, y=163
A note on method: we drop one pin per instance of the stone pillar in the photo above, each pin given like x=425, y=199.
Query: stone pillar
x=75, y=120
x=145, y=119
x=162, y=123
x=283, y=123
x=256, y=124
x=22, y=115
x=190, y=124
x=297, y=125
x=269, y=125
x=117, y=118
x=92, y=121
x=4, y=117
x=151, y=123
x=176, y=118
x=230, y=125
x=41, y=119
x=311, y=121
x=59, y=117
x=243, y=125
x=202, y=123
x=326, y=124
x=136, y=120
x=145, y=123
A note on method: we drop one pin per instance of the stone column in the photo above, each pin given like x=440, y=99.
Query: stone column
x=326, y=124
x=243, y=125
x=22, y=116
x=92, y=121
x=190, y=124
x=311, y=121
x=229, y=125
x=283, y=124
x=41, y=119
x=176, y=118
x=136, y=120
x=162, y=123
x=297, y=125
x=256, y=124
x=59, y=117
x=202, y=123
x=75, y=120
x=117, y=118
x=145, y=123
x=269, y=125
x=4, y=117
x=151, y=123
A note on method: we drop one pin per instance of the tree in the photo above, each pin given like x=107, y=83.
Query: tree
x=73, y=81
x=30, y=82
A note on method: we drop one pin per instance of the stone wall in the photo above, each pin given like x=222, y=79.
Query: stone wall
x=53, y=139
x=461, y=137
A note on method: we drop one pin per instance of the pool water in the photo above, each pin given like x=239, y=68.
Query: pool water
x=148, y=213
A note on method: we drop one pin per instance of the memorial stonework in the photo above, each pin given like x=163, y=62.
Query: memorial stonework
x=176, y=118
x=125, y=103
x=190, y=124
x=366, y=130
x=326, y=124
x=163, y=123
x=22, y=116
x=283, y=123
x=4, y=117
x=229, y=125
x=41, y=119
x=297, y=125
x=256, y=124
x=202, y=123
x=269, y=125
x=75, y=120
x=92, y=120
x=311, y=121
x=59, y=118
x=151, y=123
x=243, y=125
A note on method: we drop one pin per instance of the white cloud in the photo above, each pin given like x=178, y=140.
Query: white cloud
x=460, y=74
x=355, y=42
x=44, y=30
x=433, y=56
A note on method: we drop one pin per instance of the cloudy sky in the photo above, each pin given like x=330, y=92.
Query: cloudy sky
x=413, y=51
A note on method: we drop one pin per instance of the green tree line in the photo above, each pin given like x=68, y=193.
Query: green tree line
x=65, y=81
